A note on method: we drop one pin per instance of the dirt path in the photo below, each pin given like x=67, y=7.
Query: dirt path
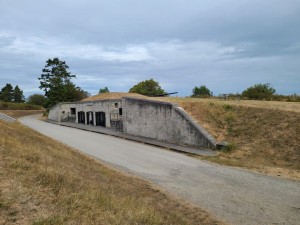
x=235, y=195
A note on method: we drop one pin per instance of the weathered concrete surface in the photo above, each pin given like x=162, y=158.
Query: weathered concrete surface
x=61, y=111
x=238, y=196
x=163, y=121
x=108, y=106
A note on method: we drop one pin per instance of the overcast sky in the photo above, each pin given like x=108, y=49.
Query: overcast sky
x=227, y=45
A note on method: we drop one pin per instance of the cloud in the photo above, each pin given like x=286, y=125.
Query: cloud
x=44, y=47
x=224, y=44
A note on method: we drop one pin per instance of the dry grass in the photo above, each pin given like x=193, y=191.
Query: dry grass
x=18, y=106
x=113, y=95
x=264, y=135
x=277, y=105
x=19, y=113
x=45, y=182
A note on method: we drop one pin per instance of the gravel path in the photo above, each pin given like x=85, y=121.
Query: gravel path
x=234, y=195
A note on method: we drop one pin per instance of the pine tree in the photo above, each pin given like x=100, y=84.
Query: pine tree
x=18, y=96
x=56, y=82
x=6, y=93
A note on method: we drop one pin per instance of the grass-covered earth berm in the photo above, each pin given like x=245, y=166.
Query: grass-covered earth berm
x=45, y=182
x=263, y=135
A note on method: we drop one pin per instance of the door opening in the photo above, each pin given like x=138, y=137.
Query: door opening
x=100, y=119
x=90, y=118
x=81, y=117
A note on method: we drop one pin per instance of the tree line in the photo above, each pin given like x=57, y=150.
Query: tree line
x=255, y=92
x=10, y=94
x=56, y=83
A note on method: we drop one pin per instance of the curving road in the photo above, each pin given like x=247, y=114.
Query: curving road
x=234, y=195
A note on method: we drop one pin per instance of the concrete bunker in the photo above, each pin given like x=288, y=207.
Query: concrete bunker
x=157, y=120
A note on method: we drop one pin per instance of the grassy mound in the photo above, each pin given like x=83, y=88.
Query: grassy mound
x=262, y=135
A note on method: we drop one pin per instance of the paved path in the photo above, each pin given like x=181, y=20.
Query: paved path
x=109, y=131
x=235, y=195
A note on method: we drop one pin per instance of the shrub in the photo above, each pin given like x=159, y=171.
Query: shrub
x=259, y=92
x=201, y=92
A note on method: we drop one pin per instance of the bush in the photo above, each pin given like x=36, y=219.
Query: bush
x=148, y=88
x=37, y=99
x=201, y=92
x=287, y=98
x=259, y=92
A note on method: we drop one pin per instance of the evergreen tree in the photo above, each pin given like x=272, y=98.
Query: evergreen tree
x=18, y=96
x=6, y=93
x=56, y=82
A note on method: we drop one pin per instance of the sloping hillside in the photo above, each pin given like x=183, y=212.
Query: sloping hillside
x=262, y=135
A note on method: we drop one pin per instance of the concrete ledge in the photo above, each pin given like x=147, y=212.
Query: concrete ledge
x=108, y=131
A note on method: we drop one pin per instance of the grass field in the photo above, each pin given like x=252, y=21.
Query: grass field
x=45, y=182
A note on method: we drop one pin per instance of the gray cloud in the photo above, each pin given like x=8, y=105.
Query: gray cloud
x=225, y=44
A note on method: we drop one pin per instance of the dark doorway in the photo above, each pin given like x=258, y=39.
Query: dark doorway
x=73, y=111
x=100, y=119
x=90, y=118
x=81, y=117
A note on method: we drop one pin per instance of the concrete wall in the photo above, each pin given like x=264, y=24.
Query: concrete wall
x=107, y=106
x=54, y=112
x=66, y=111
x=61, y=111
x=163, y=121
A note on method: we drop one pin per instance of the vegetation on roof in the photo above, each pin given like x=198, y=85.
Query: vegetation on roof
x=113, y=95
